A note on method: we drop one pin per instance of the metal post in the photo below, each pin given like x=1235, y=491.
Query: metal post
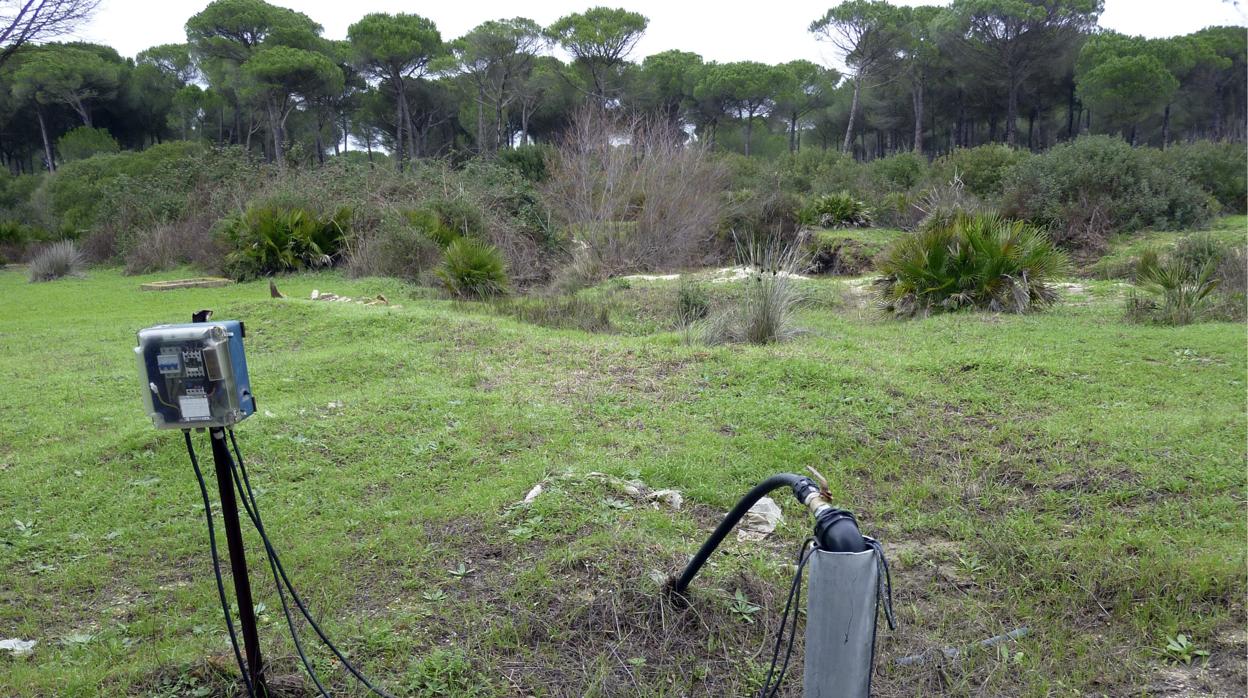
x=238, y=556
x=238, y=560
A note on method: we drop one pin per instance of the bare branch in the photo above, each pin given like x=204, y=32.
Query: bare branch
x=25, y=21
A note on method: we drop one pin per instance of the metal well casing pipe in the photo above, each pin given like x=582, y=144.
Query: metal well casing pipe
x=841, y=613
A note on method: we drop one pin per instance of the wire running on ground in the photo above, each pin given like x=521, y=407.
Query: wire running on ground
x=794, y=600
x=216, y=563
x=277, y=562
x=249, y=506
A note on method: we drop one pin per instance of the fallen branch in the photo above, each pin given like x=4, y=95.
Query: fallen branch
x=954, y=652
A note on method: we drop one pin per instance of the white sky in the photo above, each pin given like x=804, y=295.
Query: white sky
x=772, y=32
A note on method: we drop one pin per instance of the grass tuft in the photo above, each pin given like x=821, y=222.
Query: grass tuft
x=58, y=260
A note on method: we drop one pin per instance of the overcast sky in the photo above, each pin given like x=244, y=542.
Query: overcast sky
x=772, y=32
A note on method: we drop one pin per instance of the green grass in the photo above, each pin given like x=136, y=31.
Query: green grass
x=1125, y=250
x=1063, y=470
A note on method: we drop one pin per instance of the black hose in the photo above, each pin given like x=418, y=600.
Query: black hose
x=253, y=513
x=216, y=563
x=294, y=595
x=749, y=500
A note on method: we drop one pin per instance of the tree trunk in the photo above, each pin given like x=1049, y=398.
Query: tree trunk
x=1031, y=129
x=793, y=132
x=918, y=118
x=276, y=132
x=47, y=145
x=320, y=146
x=400, y=97
x=1070, y=112
x=749, y=130
x=1132, y=139
x=853, y=108
x=1011, y=115
x=1165, y=127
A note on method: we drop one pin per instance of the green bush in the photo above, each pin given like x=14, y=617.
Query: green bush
x=750, y=213
x=1093, y=186
x=473, y=269
x=528, y=160
x=16, y=191
x=269, y=239
x=1217, y=167
x=430, y=225
x=903, y=171
x=839, y=210
x=693, y=303
x=1177, y=290
x=56, y=261
x=969, y=261
x=982, y=169
x=83, y=142
x=396, y=249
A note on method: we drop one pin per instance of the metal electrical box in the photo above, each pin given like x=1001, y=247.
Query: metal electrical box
x=195, y=375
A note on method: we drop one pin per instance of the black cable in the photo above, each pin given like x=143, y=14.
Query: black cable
x=216, y=563
x=242, y=467
x=253, y=514
x=793, y=601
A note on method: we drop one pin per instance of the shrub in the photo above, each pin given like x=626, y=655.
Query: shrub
x=650, y=203
x=16, y=238
x=396, y=249
x=1177, y=291
x=835, y=211
x=528, y=160
x=897, y=209
x=83, y=142
x=58, y=260
x=941, y=203
x=692, y=302
x=167, y=245
x=473, y=269
x=982, y=169
x=766, y=310
x=1093, y=186
x=1217, y=167
x=749, y=213
x=971, y=261
x=902, y=171
x=269, y=239
x=841, y=254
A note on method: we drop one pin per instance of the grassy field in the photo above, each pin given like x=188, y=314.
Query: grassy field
x=1063, y=471
x=1125, y=250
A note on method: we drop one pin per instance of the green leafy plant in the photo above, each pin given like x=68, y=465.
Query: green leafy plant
x=473, y=269
x=1181, y=649
x=741, y=607
x=58, y=260
x=463, y=570
x=969, y=261
x=84, y=141
x=1177, y=290
x=692, y=302
x=839, y=210
x=445, y=672
x=272, y=239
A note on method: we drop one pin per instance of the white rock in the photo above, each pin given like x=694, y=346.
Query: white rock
x=19, y=648
x=760, y=520
x=533, y=493
x=671, y=498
